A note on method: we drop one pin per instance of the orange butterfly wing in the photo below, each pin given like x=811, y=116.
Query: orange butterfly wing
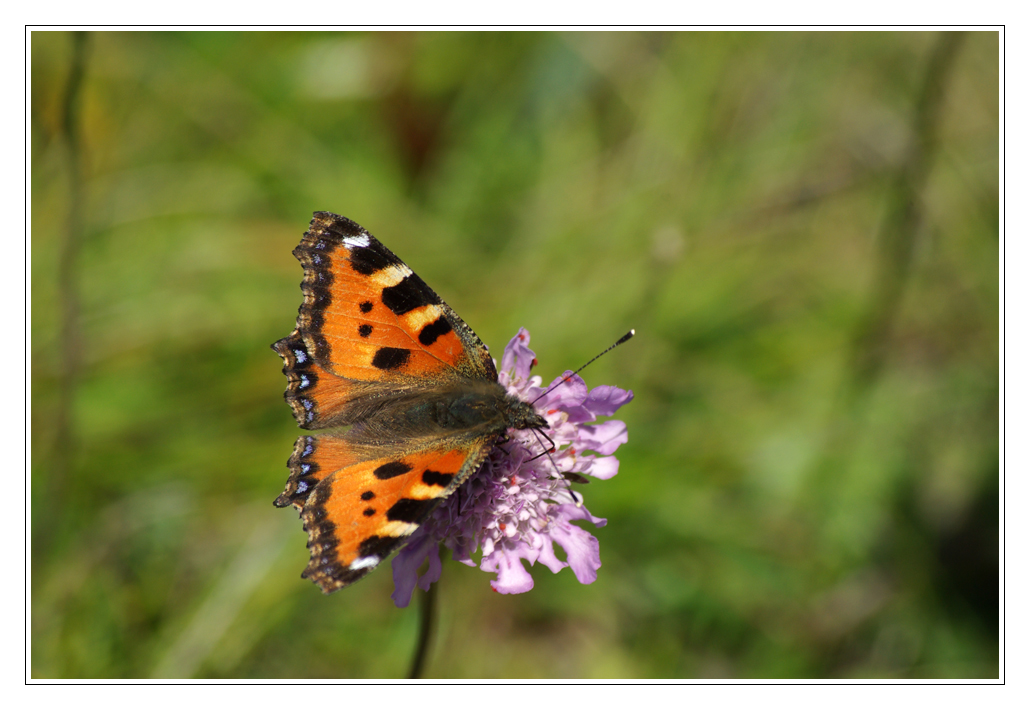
x=359, y=510
x=370, y=337
x=367, y=322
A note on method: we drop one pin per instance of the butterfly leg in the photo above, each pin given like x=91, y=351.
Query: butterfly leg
x=550, y=441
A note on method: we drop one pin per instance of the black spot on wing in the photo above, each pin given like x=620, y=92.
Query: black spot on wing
x=370, y=259
x=391, y=469
x=433, y=478
x=368, y=495
x=428, y=335
x=364, y=330
x=390, y=358
x=410, y=510
x=377, y=545
x=365, y=306
x=407, y=295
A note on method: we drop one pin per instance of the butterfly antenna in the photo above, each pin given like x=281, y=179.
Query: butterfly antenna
x=611, y=347
x=540, y=433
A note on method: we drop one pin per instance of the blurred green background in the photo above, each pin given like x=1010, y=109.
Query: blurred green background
x=802, y=227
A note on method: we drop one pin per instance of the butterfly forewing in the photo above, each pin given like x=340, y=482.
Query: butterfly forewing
x=366, y=316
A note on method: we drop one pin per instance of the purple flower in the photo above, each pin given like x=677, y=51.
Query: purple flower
x=517, y=506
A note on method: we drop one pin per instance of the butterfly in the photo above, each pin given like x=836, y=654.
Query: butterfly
x=403, y=394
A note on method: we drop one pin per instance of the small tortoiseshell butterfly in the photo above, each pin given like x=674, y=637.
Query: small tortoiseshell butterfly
x=375, y=349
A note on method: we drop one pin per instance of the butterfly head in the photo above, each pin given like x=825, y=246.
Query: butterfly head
x=522, y=415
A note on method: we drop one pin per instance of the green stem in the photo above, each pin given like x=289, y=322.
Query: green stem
x=70, y=337
x=427, y=605
x=904, y=218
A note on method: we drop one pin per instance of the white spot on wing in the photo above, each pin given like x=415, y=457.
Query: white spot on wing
x=358, y=242
x=364, y=562
x=419, y=318
x=392, y=275
x=396, y=528
x=423, y=492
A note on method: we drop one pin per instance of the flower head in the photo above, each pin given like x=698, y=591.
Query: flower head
x=517, y=506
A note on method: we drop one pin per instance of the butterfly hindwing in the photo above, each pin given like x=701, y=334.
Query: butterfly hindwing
x=359, y=510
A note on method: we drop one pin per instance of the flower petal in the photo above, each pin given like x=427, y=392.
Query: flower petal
x=518, y=358
x=435, y=568
x=569, y=391
x=603, y=438
x=603, y=400
x=512, y=577
x=582, y=550
x=571, y=511
x=550, y=560
x=405, y=567
x=602, y=467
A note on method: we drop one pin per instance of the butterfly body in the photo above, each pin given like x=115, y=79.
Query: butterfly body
x=401, y=392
